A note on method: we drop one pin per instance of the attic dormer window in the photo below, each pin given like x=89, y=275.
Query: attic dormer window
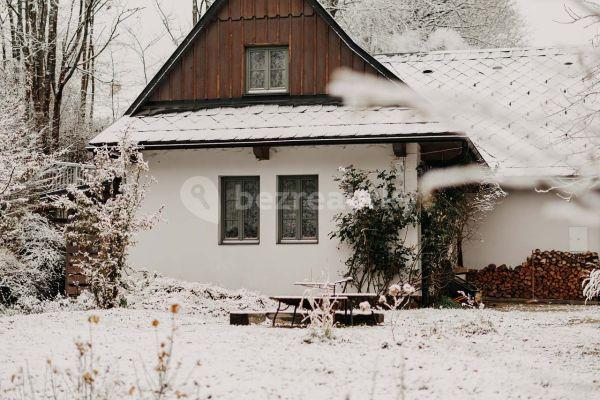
x=267, y=70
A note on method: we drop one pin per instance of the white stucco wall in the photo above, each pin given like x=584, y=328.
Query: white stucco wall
x=517, y=226
x=186, y=244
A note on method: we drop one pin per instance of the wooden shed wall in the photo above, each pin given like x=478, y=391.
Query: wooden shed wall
x=214, y=65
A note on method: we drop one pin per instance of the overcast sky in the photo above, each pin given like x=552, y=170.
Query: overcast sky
x=544, y=18
x=547, y=22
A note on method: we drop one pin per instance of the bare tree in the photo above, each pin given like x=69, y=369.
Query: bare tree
x=204, y=6
x=195, y=11
x=47, y=58
x=166, y=20
x=382, y=26
x=141, y=50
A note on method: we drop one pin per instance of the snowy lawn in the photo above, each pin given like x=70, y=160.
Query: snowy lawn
x=541, y=353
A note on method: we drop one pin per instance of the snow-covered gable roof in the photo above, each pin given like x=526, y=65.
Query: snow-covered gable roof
x=270, y=124
x=525, y=109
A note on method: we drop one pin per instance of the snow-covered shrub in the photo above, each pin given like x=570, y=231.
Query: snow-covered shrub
x=321, y=317
x=152, y=291
x=446, y=39
x=417, y=40
x=591, y=286
x=31, y=248
x=33, y=305
x=374, y=228
x=13, y=281
x=31, y=258
x=104, y=218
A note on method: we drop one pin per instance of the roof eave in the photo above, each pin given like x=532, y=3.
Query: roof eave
x=173, y=145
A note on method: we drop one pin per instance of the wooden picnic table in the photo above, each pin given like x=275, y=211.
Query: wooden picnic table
x=326, y=285
x=346, y=301
x=306, y=303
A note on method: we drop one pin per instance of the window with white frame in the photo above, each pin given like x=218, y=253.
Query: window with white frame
x=267, y=70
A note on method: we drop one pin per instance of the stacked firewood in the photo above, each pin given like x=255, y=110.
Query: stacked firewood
x=545, y=275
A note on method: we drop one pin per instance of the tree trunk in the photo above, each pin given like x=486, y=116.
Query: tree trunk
x=55, y=128
x=84, y=84
x=93, y=84
x=3, y=45
x=459, y=253
x=50, y=70
x=195, y=11
x=14, y=35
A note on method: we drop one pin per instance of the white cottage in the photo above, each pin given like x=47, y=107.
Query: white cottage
x=241, y=110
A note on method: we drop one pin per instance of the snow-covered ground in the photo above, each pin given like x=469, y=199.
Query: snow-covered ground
x=530, y=353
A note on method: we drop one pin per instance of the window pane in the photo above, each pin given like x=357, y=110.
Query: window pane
x=289, y=213
x=309, y=224
x=279, y=59
x=289, y=195
x=310, y=203
x=230, y=190
x=251, y=202
x=309, y=187
x=258, y=80
x=258, y=60
x=289, y=229
x=231, y=208
x=278, y=78
x=251, y=190
x=231, y=230
x=289, y=185
x=251, y=222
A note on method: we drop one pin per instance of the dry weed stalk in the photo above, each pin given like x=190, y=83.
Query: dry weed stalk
x=400, y=296
x=90, y=382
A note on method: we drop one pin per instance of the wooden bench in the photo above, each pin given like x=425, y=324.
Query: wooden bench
x=355, y=299
x=245, y=318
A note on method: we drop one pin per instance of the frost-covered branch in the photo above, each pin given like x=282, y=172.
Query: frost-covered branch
x=104, y=217
x=385, y=26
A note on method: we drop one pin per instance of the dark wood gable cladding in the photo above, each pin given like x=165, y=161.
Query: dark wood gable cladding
x=211, y=64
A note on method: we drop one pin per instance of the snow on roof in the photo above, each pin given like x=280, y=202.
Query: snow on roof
x=258, y=123
x=529, y=111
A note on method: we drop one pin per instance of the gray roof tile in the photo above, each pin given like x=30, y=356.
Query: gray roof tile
x=269, y=122
x=536, y=119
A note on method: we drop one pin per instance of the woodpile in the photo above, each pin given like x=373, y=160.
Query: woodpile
x=75, y=280
x=545, y=275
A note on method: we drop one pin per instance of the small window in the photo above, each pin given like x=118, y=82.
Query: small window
x=240, y=211
x=267, y=70
x=298, y=209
